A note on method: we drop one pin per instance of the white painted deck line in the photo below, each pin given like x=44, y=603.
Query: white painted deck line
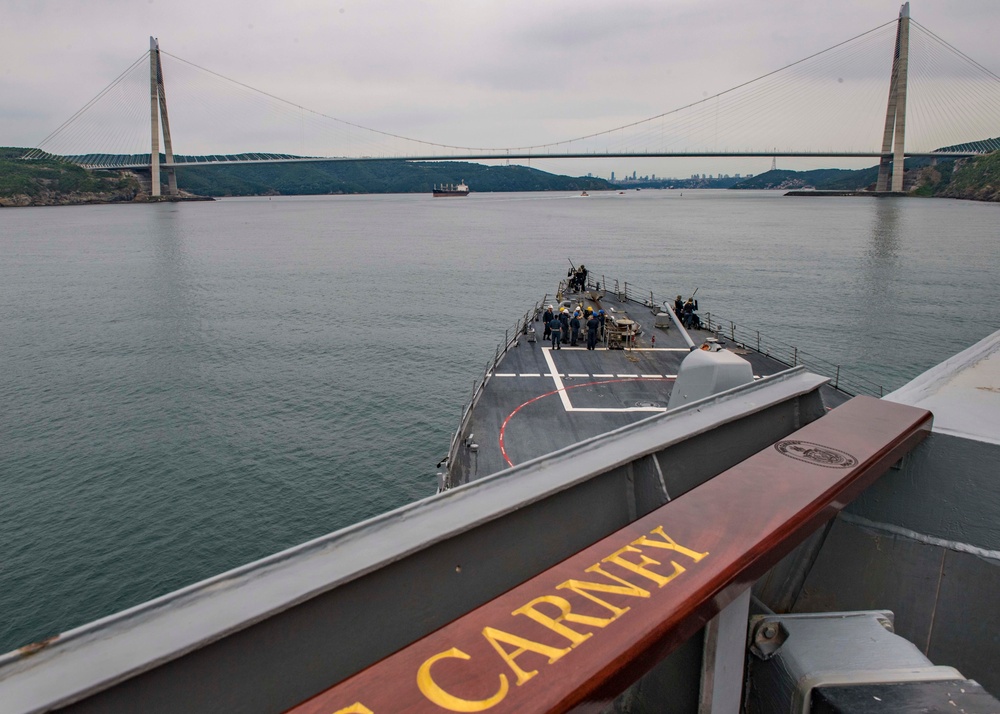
x=555, y=378
x=582, y=375
x=623, y=409
x=564, y=397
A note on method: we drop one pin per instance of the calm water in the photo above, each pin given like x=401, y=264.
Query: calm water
x=187, y=388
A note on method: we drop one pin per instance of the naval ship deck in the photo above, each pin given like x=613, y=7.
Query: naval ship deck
x=536, y=400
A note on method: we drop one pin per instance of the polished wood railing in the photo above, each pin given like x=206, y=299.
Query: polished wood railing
x=578, y=634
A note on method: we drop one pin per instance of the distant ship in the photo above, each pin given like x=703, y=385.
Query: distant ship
x=449, y=189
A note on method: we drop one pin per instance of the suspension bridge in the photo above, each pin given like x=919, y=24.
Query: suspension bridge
x=941, y=104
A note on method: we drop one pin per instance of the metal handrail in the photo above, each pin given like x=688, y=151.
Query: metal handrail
x=791, y=355
x=511, y=339
x=743, y=337
x=783, y=352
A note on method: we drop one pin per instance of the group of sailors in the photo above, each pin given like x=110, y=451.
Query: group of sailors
x=564, y=327
x=687, y=312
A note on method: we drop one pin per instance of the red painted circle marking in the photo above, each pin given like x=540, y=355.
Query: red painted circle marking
x=503, y=427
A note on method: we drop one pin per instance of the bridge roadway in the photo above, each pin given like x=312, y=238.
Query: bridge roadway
x=566, y=155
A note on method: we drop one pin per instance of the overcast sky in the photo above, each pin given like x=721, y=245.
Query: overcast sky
x=471, y=72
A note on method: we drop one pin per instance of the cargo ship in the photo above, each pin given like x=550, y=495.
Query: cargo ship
x=450, y=189
x=673, y=514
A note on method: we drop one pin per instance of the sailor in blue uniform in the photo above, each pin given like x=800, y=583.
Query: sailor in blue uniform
x=554, y=327
x=574, y=326
x=546, y=319
x=564, y=322
x=592, y=325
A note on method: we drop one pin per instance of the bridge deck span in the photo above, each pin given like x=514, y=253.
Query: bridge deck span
x=534, y=155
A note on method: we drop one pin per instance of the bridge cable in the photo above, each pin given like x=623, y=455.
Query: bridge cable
x=89, y=104
x=955, y=50
x=534, y=146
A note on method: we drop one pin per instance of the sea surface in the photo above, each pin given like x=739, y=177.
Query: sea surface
x=189, y=387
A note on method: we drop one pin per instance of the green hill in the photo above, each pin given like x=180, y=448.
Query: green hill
x=827, y=179
x=371, y=177
x=49, y=181
x=977, y=179
x=989, y=145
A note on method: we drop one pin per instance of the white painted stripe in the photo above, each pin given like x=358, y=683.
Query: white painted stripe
x=557, y=374
x=504, y=374
x=531, y=374
x=626, y=409
x=579, y=375
x=628, y=375
x=555, y=378
x=652, y=376
x=659, y=349
x=606, y=376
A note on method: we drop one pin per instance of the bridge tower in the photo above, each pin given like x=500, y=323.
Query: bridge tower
x=895, y=114
x=158, y=113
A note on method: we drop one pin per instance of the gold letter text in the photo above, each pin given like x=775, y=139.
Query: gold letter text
x=555, y=623
x=669, y=544
x=495, y=637
x=440, y=697
x=640, y=568
x=580, y=587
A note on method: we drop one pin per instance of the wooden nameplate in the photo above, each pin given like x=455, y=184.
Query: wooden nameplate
x=580, y=633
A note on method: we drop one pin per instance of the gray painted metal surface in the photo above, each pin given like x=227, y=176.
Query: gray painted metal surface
x=944, y=600
x=924, y=540
x=832, y=648
x=724, y=658
x=269, y=635
x=948, y=489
